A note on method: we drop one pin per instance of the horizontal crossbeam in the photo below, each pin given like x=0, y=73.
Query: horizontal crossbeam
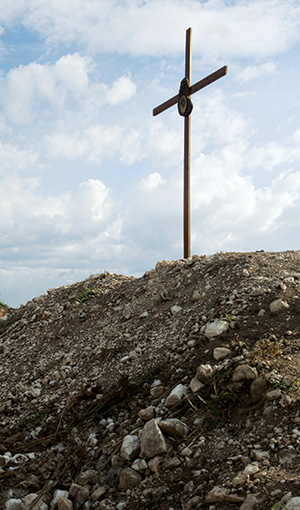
x=194, y=88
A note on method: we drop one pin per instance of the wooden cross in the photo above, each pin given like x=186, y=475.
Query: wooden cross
x=185, y=107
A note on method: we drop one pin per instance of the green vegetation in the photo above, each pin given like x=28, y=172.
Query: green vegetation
x=85, y=294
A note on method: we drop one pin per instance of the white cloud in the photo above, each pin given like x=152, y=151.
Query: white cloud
x=122, y=90
x=14, y=158
x=272, y=154
x=25, y=88
x=250, y=73
x=67, y=83
x=31, y=218
x=94, y=143
x=140, y=28
x=151, y=182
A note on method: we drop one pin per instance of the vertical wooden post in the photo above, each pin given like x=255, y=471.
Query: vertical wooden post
x=187, y=157
x=187, y=133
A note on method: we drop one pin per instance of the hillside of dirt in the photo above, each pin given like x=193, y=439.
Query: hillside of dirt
x=178, y=390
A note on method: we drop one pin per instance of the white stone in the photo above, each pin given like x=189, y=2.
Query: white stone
x=57, y=495
x=153, y=442
x=175, y=309
x=144, y=314
x=273, y=394
x=196, y=385
x=176, y=395
x=139, y=465
x=13, y=504
x=239, y=480
x=174, y=427
x=130, y=447
x=293, y=504
x=251, y=469
x=279, y=306
x=250, y=502
x=204, y=373
x=147, y=413
x=216, y=328
x=221, y=353
x=244, y=372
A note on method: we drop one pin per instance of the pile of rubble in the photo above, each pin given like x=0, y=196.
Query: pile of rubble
x=176, y=390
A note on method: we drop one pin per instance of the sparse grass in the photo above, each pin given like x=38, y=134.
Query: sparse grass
x=85, y=294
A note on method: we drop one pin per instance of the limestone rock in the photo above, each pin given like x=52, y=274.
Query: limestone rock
x=81, y=497
x=273, y=394
x=64, y=504
x=293, y=504
x=96, y=495
x=176, y=395
x=147, y=414
x=239, y=480
x=196, y=385
x=258, y=388
x=221, y=353
x=250, y=503
x=130, y=447
x=57, y=495
x=27, y=502
x=221, y=495
x=251, y=469
x=139, y=465
x=278, y=306
x=13, y=504
x=175, y=309
x=153, y=442
x=174, y=427
x=204, y=373
x=216, y=328
x=244, y=372
x=129, y=478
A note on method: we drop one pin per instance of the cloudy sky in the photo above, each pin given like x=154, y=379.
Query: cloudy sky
x=91, y=181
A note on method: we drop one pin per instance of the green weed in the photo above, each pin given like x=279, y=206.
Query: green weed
x=85, y=294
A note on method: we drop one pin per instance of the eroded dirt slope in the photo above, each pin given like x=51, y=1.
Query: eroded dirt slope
x=90, y=364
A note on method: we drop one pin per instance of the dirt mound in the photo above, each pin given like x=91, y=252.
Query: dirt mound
x=176, y=390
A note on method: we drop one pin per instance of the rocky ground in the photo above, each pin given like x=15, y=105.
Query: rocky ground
x=176, y=390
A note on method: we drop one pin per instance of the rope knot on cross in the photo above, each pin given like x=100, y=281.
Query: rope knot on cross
x=185, y=107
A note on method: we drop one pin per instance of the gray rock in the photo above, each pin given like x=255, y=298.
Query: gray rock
x=81, y=497
x=278, y=306
x=258, y=388
x=221, y=353
x=130, y=447
x=98, y=493
x=196, y=385
x=147, y=414
x=64, y=504
x=153, y=442
x=273, y=394
x=129, y=478
x=157, y=391
x=13, y=504
x=175, y=309
x=113, y=475
x=176, y=395
x=204, y=373
x=221, y=495
x=27, y=503
x=174, y=427
x=57, y=495
x=293, y=504
x=244, y=372
x=139, y=465
x=250, y=502
x=216, y=328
